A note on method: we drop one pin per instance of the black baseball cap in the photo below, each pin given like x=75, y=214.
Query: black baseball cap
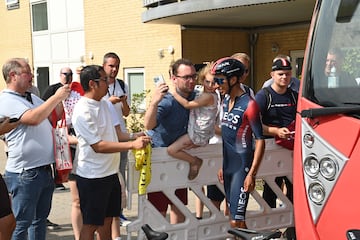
x=281, y=64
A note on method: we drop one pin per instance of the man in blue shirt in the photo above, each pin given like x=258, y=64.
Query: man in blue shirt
x=167, y=120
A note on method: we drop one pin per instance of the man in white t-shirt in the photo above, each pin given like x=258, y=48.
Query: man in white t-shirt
x=118, y=95
x=98, y=162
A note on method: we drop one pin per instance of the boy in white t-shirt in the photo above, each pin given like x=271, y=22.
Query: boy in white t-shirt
x=98, y=162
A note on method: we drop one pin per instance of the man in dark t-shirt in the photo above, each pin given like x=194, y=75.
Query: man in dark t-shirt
x=278, y=109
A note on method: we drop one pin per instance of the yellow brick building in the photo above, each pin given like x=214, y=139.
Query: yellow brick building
x=117, y=26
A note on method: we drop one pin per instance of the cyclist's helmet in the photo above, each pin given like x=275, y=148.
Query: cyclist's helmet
x=228, y=67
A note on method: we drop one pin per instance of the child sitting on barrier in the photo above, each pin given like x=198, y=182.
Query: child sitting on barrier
x=201, y=128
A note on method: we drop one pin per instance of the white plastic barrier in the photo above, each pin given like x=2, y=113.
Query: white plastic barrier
x=169, y=174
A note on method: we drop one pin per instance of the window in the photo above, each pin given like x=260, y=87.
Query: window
x=12, y=4
x=39, y=17
x=297, y=58
x=134, y=77
x=42, y=77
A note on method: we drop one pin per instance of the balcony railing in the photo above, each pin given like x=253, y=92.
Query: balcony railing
x=155, y=3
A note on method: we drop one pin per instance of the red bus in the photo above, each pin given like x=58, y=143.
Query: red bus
x=327, y=146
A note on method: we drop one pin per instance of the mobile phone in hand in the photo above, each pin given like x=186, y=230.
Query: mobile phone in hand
x=159, y=80
x=11, y=120
x=68, y=77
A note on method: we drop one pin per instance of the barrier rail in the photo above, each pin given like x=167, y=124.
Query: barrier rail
x=169, y=174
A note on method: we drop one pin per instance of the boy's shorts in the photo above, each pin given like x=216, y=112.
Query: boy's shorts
x=99, y=198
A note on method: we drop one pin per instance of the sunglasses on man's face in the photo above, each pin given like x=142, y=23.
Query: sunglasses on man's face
x=67, y=73
x=219, y=81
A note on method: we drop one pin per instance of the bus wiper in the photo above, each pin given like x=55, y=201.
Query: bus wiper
x=351, y=103
x=316, y=112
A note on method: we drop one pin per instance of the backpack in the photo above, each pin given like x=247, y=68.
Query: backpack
x=248, y=90
x=269, y=98
x=122, y=84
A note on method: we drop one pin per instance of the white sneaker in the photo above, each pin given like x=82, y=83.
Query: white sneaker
x=124, y=221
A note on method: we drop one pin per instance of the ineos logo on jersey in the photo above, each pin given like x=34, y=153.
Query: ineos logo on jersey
x=230, y=117
x=282, y=105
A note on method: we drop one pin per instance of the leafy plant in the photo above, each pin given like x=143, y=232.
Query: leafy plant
x=135, y=120
x=352, y=61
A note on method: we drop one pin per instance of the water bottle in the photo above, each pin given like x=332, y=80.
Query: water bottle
x=332, y=78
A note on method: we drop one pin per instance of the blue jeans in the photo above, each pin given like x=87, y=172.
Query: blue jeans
x=31, y=193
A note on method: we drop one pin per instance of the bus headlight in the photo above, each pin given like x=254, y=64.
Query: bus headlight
x=328, y=168
x=308, y=139
x=316, y=193
x=322, y=165
x=311, y=166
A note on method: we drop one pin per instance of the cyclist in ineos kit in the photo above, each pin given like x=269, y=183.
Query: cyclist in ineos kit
x=240, y=121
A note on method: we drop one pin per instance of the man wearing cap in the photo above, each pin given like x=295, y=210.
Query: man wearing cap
x=277, y=104
x=294, y=82
x=280, y=111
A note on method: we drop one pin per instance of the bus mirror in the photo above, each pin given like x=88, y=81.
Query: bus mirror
x=346, y=10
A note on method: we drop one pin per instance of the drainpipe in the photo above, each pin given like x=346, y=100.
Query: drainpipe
x=252, y=39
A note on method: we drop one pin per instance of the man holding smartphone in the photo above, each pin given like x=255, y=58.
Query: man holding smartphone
x=65, y=78
x=277, y=104
x=28, y=168
x=118, y=95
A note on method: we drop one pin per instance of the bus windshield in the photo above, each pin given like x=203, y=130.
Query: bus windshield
x=332, y=76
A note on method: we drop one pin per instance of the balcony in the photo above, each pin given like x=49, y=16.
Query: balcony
x=246, y=14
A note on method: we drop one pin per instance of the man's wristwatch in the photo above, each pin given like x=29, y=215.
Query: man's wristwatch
x=131, y=136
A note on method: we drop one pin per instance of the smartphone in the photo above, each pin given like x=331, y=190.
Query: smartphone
x=159, y=80
x=199, y=88
x=13, y=120
x=68, y=78
x=10, y=120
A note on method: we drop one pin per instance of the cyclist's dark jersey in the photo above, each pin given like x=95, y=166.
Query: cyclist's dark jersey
x=238, y=127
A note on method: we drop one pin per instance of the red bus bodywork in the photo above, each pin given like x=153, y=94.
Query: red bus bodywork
x=337, y=136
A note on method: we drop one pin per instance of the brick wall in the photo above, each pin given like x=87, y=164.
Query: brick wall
x=208, y=45
x=15, y=32
x=118, y=28
x=287, y=40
